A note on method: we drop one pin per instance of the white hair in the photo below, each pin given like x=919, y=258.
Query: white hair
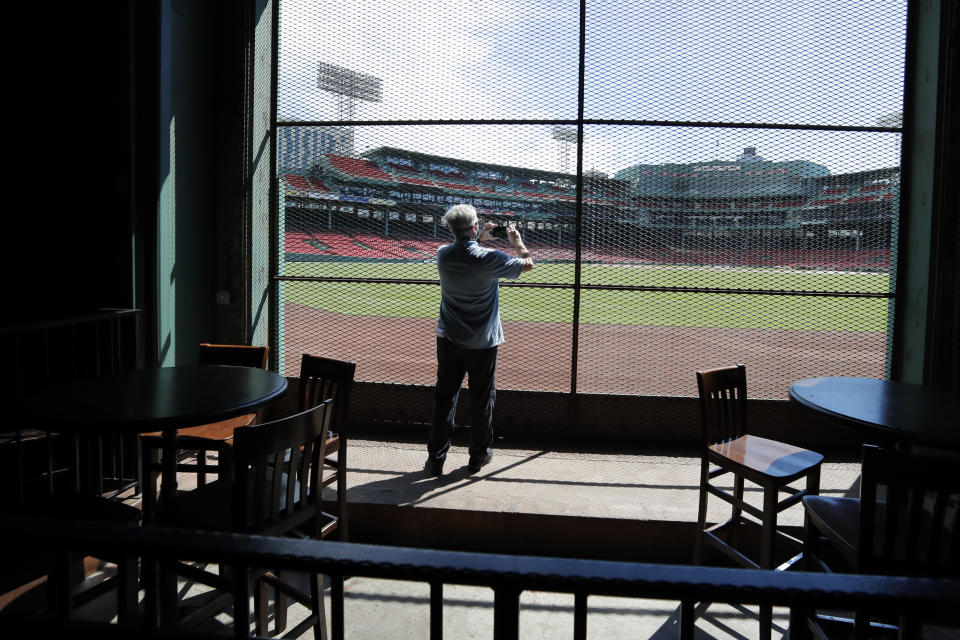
x=460, y=218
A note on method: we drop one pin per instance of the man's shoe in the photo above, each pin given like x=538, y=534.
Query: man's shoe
x=478, y=461
x=433, y=466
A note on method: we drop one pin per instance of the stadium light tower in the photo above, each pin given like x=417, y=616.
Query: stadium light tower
x=564, y=136
x=349, y=86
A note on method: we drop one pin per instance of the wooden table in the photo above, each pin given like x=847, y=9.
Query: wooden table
x=163, y=399
x=885, y=412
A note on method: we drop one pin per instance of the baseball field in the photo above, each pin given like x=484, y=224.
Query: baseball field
x=659, y=308
x=646, y=342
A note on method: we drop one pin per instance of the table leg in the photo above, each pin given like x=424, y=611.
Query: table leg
x=89, y=463
x=168, y=473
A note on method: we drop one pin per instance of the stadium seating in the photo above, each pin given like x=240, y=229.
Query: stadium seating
x=419, y=181
x=459, y=186
x=297, y=182
x=358, y=167
x=403, y=167
x=387, y=247
x=342, y=244
x=420, y=245
x=360, y=244
x=448, y=176
x=856, y=202
x=316, y=185
x=792, y=204
x=304, y=243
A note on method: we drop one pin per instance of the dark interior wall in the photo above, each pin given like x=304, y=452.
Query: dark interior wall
x=186, y=270
x=943, y=345
x=225, y=48
x=91, y=97
x=201, y=164
x=67, y=178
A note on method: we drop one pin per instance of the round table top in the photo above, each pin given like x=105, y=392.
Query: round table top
x=898, y=411
x=153, y=399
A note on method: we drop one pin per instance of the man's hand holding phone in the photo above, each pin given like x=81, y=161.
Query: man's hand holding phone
x=487, y=231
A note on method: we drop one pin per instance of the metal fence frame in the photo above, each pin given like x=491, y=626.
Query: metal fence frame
x=578, y=123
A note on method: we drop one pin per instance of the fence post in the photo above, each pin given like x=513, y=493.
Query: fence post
x=506, y=613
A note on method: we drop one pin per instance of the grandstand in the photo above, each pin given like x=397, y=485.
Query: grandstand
x=387, y=205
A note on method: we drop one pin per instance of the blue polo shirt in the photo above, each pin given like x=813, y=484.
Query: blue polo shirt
x=470, y=292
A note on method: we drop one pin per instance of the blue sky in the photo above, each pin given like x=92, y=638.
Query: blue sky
x=803, y=61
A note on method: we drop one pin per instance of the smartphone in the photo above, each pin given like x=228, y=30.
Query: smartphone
x=499, y=231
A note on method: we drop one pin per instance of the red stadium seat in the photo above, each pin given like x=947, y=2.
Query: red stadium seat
x=420, y=181
x=316, y=185
x=358, y=167
x=297, y=182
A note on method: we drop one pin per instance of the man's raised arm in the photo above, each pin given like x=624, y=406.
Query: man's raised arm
x=513, y=236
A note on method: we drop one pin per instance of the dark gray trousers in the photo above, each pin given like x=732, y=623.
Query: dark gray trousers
x=480, y=365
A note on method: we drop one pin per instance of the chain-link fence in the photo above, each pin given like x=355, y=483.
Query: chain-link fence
x=699, y=184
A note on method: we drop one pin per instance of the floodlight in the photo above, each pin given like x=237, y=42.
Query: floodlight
x=345, y=82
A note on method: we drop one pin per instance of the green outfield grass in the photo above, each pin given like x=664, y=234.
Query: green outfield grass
x=613, y=307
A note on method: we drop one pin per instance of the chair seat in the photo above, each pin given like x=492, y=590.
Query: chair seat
x=221, y=431
x=207, y=507
x=839, y=520
x=766, y=457
x=333, y=444
x=83, y=507
x=210, y=506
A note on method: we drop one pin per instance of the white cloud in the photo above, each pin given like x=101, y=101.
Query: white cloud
x=446, y=59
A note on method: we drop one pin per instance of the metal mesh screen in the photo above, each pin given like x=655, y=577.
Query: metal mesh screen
x=699, y=184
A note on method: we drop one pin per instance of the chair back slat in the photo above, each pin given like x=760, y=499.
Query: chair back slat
x=305, y=465
x=326, y=378
x=914, y=506
x=723, y=403
x=242, y=519
x=235, y=355
x=939, y=514
x=280, y=470
x=275, y=468
x=300, y=466
x=909, y=508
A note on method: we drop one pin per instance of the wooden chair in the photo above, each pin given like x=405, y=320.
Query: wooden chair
x=729, y=449
x=273, y=487
x=115, y=591
x=194, y=444
x=321, y=379
x=905, y=523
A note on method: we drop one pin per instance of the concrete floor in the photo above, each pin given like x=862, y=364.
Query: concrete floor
x=633, y=487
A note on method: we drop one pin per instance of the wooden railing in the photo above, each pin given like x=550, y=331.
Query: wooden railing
x=918, y=599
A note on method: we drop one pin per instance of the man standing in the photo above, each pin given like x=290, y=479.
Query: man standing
x=469, y=331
